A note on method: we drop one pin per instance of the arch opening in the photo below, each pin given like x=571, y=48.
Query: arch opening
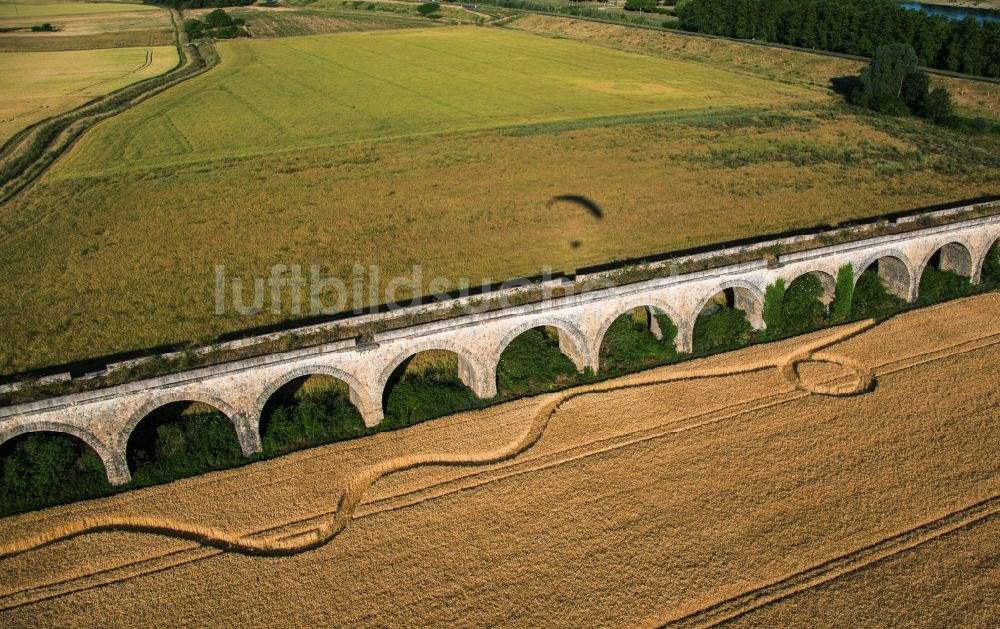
x=639, y=338
x=45, y=468
x=946, y=275
x=881, y=289
x=427, y=384
x=727, y=320
x=180, y=439
x=990, y=268
x=535, y=360
x=309, y=410
x=806, y=302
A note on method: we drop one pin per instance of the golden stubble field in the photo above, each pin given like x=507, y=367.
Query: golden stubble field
x=697, y=500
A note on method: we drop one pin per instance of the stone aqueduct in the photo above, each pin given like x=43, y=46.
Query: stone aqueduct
x=105, y=418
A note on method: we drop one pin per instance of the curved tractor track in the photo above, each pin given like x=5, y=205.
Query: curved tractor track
x=24, y=157
x=862, y=380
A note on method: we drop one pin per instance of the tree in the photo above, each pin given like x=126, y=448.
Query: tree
x=773, y=314
x=915, y=88
x=428, y=8
x=217, y=19
x=843, y=298
x=890, y=65
x=640, y=5
x=193, y=28
x=939, y=106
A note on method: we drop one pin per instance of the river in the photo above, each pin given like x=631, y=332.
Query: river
x=953, y=12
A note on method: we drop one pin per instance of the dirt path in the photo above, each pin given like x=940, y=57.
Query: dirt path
x=676, y=496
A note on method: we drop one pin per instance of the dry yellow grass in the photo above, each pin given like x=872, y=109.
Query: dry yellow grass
x=972, y=97
x=42, y=84
x=89, y=31
x=636, y=506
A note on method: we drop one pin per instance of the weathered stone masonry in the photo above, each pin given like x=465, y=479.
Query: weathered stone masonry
x=105, y=418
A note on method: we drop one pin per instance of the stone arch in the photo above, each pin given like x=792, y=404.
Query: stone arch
x=246, y=432
x=954, y=256
x=828, y=281
x=112, y=457
x=979, y=265
x=572, y=341
x=471, y=370
x=358, y=393
x=896, y=273
x=748, y=297
x=624, y=307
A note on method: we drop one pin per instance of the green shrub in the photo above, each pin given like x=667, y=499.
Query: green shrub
x=939, y=106
x=316, y=418
x=44, y=469
x=843, y=299
x=629, y=344
x=428, y=8
x=773, y=313
x=871, y=299
x=937, y=285
x=991, y=268
x=165, y=449
x=803, y=309
x=217, y=19
x=725, y=329
x=415, y=398
x=533, y=362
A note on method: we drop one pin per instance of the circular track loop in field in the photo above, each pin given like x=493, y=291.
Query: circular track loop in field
x=862, y=377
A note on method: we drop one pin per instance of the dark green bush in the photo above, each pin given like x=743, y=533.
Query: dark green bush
x=991, y=268
x=164, y=447
x=871, y=299
x=843, y=299
x=629, y=344
x=773, y=313
x=531, y=363
x=726, y=328
x=43, y=469
x=803, y=309
x=428, y=8
x=415, y=398
x=317, y=418
x=937, y=285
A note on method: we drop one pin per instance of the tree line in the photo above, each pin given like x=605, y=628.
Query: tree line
x=856, y=27
x=201, y=4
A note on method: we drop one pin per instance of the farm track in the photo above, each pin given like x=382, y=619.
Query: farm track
x=299, y=531
x=30, y=152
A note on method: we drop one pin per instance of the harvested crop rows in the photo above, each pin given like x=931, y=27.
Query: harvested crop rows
x=657, y=501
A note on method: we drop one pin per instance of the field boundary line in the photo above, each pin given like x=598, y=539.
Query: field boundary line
x=858, y=559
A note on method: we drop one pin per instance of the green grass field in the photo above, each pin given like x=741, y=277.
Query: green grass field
x=289, y=94
x=42, y=84
x=440, y=148
x=53, y=9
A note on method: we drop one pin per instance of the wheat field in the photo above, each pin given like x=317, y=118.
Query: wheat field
x=670, y=497
x=42, y=84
